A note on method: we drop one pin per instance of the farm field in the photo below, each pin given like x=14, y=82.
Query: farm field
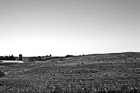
x=102, y=73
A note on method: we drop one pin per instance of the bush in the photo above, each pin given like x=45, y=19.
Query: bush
x=1, y=74
x=69, y=56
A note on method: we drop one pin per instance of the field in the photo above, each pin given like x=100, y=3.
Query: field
x=102, y=73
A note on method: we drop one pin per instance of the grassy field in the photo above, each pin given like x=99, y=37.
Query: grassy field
x=108, y=73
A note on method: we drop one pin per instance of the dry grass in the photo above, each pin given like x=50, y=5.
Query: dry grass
x=86, y=76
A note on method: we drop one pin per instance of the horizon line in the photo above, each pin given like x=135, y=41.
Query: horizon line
x=74, y=54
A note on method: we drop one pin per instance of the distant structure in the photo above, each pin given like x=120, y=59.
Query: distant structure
x=20, y=57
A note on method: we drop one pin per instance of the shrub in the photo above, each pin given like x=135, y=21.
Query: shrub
x=1, y=74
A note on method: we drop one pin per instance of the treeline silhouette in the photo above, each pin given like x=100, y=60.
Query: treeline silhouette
x=10, y=57
x=48, y=57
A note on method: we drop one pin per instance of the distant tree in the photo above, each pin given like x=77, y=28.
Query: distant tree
x=12, y=57
x=46, y=56
x=69, y=56
x=39, y=56
x=20, y=57
x=1, y=57
x=6, y=58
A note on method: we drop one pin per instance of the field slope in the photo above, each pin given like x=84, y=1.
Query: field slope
x=96, y=73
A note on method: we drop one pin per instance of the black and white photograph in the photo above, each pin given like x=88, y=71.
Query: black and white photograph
x=69, y=46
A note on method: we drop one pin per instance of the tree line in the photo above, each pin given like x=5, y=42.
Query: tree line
x=11, y=57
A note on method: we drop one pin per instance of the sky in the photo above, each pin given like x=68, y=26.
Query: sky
x=61, y=27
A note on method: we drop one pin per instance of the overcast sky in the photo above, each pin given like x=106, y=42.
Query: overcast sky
x=61, y=27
